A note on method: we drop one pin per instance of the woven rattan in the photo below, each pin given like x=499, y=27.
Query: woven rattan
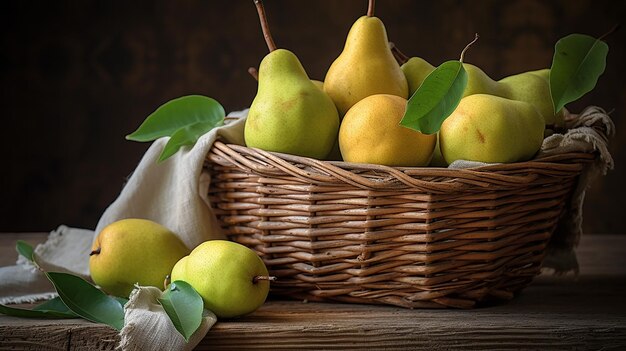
x=411, y=237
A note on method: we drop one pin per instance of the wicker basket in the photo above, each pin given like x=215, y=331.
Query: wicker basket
x=411, y=237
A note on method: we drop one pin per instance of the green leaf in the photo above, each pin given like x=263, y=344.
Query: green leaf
x=121, y=300
x=50, y=309
x=579, y=60
x=185, y=136
x=87, y=301
x=184, y=306
x=436, y=98
x=23, y=248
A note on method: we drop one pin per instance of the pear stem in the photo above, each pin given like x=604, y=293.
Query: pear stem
x=95, y=252
x=370, y=8
x=167, y=281
x=257, y=278
x=397, y=54
x=264, y=26
x=254, y=73
x=468, y=46
x=611, y=31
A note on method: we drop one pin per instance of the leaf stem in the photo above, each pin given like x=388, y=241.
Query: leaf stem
x=264, y=26
x=476, y=36
x=370, y=8
x=611, y=31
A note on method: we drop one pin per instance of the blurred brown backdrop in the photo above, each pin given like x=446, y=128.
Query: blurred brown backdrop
x=77, y=76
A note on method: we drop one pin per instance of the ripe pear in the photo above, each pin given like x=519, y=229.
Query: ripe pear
x=371, y=133
x=290, y=113
x=132, y=251
x=365, y=67
x=492, y=129
x=231, y=278
x=533, y=88
x=478, y=82
x=416, y=69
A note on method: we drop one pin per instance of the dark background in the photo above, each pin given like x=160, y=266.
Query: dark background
x=77, y=76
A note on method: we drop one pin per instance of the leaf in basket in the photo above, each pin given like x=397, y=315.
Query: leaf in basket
x=436, y=98
x=184, y=119
x=87, y=301
x=184, y=306
x=579, y=60
x=24, y=249
x=54, y=308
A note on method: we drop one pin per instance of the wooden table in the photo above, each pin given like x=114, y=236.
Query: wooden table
x=588, y=312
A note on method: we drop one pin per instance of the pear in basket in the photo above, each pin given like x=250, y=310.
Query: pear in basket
x=492, y=129
x=289, y=113
x=366, y=65
x=371, y=133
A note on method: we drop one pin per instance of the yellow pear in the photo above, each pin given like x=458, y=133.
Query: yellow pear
x=132, y=251
x=365, y=67
x=371, y=133
x=492, y=129
x=231, y=278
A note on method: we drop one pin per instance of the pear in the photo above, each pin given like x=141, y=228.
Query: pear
x=478, y=82
x=365, y=67
x=416, y=69
x=371, y=133
x=289, y=113
x=533, y=88
x=131, y=251
x=231, y=278
x=492, y=129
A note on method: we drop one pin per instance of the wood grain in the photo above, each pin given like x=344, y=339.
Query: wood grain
x=556, y=313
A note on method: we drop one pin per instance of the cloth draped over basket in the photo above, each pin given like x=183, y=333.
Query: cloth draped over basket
x=177, y=193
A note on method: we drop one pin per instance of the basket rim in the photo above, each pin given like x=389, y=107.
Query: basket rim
x=378, y=177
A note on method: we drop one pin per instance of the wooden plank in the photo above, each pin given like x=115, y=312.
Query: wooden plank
x=588, y=312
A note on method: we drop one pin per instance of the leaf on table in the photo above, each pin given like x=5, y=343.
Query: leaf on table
x=436, y=98
x=87, y=301
x=53, y=308
x=23, y=248
x=579, y=60
x=185, y=119
x=184, y=306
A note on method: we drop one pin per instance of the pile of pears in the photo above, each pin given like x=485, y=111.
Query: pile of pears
x=354, y=114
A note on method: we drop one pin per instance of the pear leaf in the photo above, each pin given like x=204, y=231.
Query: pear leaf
x=87, y=301
x=185, y=136
x=184, y=306
x=436, y=98
x=579, y=60
x=23, y=248
x=54, y=308
x=185, y=119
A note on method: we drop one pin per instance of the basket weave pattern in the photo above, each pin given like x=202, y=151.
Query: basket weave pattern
x=411, y=237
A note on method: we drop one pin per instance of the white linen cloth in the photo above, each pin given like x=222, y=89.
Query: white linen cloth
x=174, y=193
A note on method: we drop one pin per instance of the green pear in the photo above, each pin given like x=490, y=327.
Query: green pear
x=231, y=278
x=365, y=67
x=371, y=133
x=416, y=69
x=492, y=129
x=478, y=82
x=543, y=73
x=533, y=88
x=133, y=251
x=289, y=113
